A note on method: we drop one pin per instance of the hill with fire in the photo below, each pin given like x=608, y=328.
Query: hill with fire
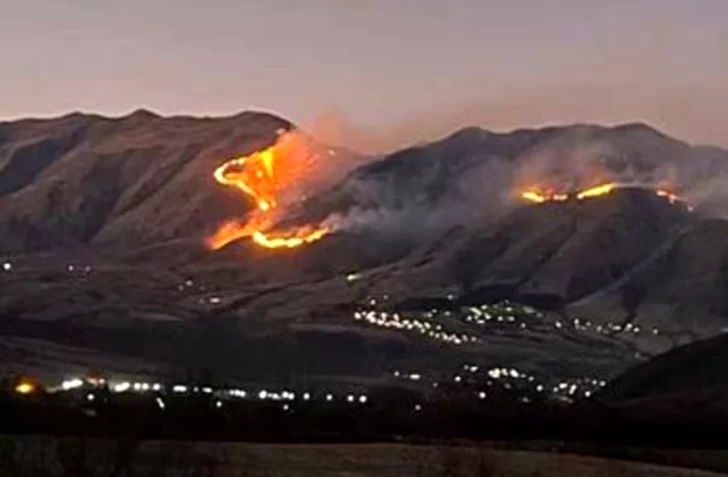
x=244, y=245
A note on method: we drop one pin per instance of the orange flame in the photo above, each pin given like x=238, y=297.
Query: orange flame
x=25, y=387
x=264, y=176
x=533, y=196
x=539, y=197
x=596, y=191
x=302, y=236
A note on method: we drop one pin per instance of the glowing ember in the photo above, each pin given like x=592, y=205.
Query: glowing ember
x=264, y=176
x=25, y=388
x=539, y=197
x=596, y=191
x=534, y=197
x=303, y=237
x=673, y=198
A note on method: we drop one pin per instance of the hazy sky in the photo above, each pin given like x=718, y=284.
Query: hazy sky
x=401, y=70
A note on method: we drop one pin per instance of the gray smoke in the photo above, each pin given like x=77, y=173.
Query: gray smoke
x=473, y=179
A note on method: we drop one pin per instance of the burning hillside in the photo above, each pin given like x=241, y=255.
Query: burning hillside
x=542, y=195
x=273, y=179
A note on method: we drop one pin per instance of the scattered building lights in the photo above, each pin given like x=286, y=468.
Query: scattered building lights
x=424, y=327
x=454, y=326
x=72, y=383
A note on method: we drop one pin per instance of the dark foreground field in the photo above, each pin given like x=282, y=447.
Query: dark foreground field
x=40, y=456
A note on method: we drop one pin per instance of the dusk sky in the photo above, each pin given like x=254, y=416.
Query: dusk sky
x=400, y=70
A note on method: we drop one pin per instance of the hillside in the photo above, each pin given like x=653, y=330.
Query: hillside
x=687, y=384
x=80, y=180
x=103, y=222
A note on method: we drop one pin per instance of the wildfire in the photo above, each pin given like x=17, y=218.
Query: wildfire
x=537, y=196
x=596, y=191
x=302, y=237
x=25, y=387
x=541, y=197
x=534, y=197
x=265, y=176
x=673, y=198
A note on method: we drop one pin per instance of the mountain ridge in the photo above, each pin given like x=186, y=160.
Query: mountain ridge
x=435, y=226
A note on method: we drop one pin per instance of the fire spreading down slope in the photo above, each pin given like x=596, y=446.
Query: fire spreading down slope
x=543, y=195
x=276, y=178
x=271, y=178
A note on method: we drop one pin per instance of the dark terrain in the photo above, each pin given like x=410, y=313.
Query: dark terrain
x=103, y=220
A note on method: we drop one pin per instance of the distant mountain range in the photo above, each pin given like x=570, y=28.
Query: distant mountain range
x=438, y=225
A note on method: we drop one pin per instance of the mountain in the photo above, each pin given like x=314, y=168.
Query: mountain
x=84, y=180
x=478, y=166
x=103, y=222
x=680, y=287
x=94, y=182
x=687, y=383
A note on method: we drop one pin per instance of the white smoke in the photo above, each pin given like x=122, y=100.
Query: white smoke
x=483, y=186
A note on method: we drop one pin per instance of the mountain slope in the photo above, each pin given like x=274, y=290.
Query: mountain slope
x=687, y=384
x=485, y=170
x=681, y=286
x=552, y=247
x=694, y=367
x=104, y=219
x=82, y=180
x=142, y=179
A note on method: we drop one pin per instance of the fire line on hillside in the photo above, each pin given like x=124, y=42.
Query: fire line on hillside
x=540, y=196
x=266, y=176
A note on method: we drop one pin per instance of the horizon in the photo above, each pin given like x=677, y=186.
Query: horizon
x=373, y=75
x=445, y=134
